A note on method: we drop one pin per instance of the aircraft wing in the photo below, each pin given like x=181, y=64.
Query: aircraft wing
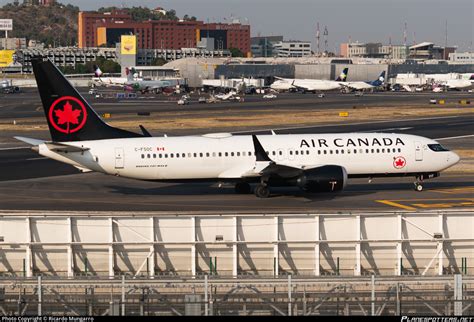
x=266, y=167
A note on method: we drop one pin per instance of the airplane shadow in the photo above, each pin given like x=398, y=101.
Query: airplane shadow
x=197, y=189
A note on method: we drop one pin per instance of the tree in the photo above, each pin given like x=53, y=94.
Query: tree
x=236, y=52
x=158, y=61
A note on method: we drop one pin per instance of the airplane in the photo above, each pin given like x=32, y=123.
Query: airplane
x=309, y=85
x=312, y=162
x=358, y=86
x=110, y=81
x=6, y=87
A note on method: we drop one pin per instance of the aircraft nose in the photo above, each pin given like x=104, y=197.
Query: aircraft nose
x=453, y=158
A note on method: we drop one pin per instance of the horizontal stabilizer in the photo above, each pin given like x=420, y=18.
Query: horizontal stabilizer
x=61, y=147
x=29, y=140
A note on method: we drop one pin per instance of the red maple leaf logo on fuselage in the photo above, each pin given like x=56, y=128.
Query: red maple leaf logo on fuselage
x=399, y=163
x=67, y=115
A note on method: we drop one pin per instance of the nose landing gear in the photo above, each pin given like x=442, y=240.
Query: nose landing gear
x=419, y=183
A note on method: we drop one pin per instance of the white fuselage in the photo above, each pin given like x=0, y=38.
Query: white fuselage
x=231, y=157
x=306, y=84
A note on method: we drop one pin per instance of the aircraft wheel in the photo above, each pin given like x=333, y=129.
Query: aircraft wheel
x=262, y=191
x=418, y=187
x=242, y=188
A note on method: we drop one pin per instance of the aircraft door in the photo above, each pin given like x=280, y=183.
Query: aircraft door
x=418, y=151
x=119, y=158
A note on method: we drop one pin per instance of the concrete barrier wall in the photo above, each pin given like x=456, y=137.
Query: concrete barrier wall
x=314, y=71
x=66, y=244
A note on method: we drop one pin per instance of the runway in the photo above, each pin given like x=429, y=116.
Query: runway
x=30, y=182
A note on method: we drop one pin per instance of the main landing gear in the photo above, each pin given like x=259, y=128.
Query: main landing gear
x=262, y=191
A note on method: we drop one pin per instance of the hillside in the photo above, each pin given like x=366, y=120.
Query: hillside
x=57, y=24
x=54, y=25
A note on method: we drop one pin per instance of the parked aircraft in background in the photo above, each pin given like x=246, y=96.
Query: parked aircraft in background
x=312, y=162
x=6, y=86
x=110, y=81
x=360, y=86
x=309, y=85
x=133, y=83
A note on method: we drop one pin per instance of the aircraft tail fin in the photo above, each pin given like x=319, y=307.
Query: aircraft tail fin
x=343, y=76
x=69, y=116
x=97, y=71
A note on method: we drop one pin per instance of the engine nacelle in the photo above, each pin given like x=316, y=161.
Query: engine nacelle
x=328, y=178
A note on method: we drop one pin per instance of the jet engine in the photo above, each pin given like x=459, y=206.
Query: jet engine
x=328, y=178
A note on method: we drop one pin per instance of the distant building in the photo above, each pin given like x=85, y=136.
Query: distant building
x=12, y=43
x=462, y=58
x=428, y=51
x=47, y=2
x=37, y=2
x=104, y=29
x=292, y=49
x=373, y=50
x=264, y=46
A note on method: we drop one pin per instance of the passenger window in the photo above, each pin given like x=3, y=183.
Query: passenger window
x=177, y=155
x=195, y=155
x=319, y=151
x=307, y=152
x=201, y=155
x=207, y=154
x=372, y=150
x=366, y=150
x=291, y=152
x=143, y=156
x=189, y=155
x=337, y=151
x=183, y=155
x=378, y=150
x=213, y=154
x=296, y=152
x=342, y=151
x=148, y=156
x=325, y=152
x=383, y=150
x=166, y=155
x=160, y=155
x=399, y=150
x=220, y=154
x=330, y=151
x=273, y=152
x=280, y=152
x=172, y=155
x=232, y=154
x=226, y=154
x=355, y=151
x=154, y=156
x=238, y=154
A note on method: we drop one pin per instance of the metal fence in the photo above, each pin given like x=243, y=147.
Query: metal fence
x=284, y=296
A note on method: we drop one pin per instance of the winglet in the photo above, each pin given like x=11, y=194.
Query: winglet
x=260, y=153
x=145, y=132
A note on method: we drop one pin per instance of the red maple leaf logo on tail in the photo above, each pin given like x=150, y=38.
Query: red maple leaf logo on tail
x=68, y=115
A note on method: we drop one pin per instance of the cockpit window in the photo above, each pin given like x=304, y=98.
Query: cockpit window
x=437, y=147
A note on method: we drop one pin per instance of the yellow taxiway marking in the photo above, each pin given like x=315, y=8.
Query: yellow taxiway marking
x=395, y=204
x=441, y=203
x=454, y=190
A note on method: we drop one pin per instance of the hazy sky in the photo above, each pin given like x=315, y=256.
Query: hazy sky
x=362, y=20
